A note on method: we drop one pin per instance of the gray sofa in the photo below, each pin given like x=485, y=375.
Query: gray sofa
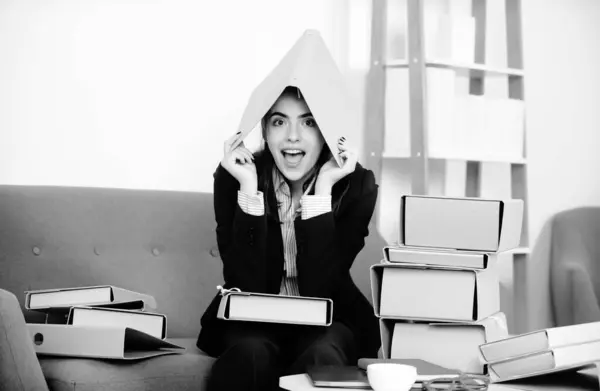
x=157, y=242
x=564, y=273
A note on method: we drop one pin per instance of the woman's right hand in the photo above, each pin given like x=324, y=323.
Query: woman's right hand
x=239, y=162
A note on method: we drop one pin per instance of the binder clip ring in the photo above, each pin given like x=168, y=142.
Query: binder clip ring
x=225, y=292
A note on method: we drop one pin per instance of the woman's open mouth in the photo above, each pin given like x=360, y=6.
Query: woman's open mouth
x=292, y=156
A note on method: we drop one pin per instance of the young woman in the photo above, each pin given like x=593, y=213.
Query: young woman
x=289, y=221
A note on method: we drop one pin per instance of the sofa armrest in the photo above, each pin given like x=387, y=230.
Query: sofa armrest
x=538, y=286
x=19, y=367
x=582, y=301
x=585, y=305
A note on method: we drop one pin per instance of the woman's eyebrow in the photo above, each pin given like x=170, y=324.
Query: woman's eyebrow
x=277, y=113
x=307, y=114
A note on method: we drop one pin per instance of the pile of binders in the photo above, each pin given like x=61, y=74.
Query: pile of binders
x=104, y=322
x=437, y=292
x=556, y=349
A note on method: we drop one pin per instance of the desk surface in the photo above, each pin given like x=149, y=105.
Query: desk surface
x=582, y=381
x=302, y=383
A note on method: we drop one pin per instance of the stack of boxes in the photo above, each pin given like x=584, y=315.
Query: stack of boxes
x=437, y=292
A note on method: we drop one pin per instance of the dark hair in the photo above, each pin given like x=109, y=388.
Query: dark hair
x=265, y=160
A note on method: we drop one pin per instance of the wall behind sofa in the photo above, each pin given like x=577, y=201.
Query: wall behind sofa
x=562, y=57
x=136, y=93
x=141, y=93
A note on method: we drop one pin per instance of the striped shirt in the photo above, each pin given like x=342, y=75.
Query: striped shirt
x=310, y=206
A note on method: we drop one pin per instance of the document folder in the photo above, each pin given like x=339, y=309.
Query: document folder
x=261, y=307
x=45, y=299
x=120, y=343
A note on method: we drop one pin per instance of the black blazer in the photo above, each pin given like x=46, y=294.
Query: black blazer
x=251, y=249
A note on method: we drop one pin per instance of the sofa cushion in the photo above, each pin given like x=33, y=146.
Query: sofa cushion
x=186, y=371
x=158, y=242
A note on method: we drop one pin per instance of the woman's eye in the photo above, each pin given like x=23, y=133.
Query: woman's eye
x=277, y=122
x=310, y=122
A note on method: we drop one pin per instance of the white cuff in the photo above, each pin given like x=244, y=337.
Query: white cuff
x=315, y=205
x=252, y=204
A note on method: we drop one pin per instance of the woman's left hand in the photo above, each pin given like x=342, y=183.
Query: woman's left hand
x=331, y=173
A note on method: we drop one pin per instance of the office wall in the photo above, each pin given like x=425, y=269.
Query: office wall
x=563, y=93
x=136, y=93
x=562, y=58
x=141, y=93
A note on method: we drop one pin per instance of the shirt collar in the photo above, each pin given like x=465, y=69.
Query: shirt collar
x=281, y=186
x=279, y=183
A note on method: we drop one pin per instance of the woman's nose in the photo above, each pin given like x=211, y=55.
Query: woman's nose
x=293, y=133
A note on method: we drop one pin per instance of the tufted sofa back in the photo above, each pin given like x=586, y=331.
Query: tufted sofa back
x=157, y=242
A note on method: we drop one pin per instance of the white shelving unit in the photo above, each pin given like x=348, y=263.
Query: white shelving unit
x=404, y=149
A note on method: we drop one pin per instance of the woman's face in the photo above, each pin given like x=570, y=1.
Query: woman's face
x=293, y=137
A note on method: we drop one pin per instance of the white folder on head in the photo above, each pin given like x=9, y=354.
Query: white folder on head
x=310, y=67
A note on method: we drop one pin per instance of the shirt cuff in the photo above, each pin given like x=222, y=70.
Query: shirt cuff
x=315, y=205
x=252, y=204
